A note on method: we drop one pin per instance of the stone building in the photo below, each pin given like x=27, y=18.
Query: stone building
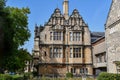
x=63, y=44
x=99, y=55
x=28, y=65
x=112, y=37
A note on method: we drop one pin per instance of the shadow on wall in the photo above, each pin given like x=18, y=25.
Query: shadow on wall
x=50, y=66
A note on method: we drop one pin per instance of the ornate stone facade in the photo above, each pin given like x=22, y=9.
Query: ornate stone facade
x=63, y=44
x=113, y=36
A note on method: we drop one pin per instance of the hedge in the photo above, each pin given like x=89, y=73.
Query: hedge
x=69, y=75
x=5, y=77
x=108, y=76
x=11, y=77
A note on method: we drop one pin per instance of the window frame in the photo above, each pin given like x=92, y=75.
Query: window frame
x=56, y=52
x=74, y=36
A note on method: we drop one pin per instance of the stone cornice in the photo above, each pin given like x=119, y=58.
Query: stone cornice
x=65, y=45
x=83, y=64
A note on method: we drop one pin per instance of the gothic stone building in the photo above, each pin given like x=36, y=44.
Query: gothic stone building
x=112, y=34
x=63, y=44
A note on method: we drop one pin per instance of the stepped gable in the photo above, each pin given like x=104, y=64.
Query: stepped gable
x=57, y=13
x=76, y=19
x=75, y=14
x=56, y=18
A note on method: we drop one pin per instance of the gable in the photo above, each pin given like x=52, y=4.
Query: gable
x=57, y=27
x=114, y=13
x=56, y=18
x=75, y=28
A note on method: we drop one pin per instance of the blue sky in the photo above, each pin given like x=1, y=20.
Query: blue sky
x=94, y=12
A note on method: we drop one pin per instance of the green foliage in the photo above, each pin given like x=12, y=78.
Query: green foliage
x=19, y=25
x=18, y=60
x=23, y=56
x=5, y=77
x=6, y=38
x=69, y=75
x=34, y=73
x=45, y=78
x=2, y=4
x=108, y=76
x=28, y=75
x=11, y=77
x=15, y=32
x=17, y=77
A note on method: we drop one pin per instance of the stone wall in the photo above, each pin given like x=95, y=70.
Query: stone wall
x=114, y=13
x=113, y=47
x=113, y=36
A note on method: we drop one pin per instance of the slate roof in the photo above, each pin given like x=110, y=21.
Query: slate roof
x=96, y=35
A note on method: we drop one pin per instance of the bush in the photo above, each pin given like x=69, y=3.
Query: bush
x=6, y=77
x=35, y=73
x=11, y=77
x=19, y=78
x=28, y=75
x=69, y=75
x=108, y=76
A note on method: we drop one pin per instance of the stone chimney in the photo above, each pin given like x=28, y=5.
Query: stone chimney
x=66, y=9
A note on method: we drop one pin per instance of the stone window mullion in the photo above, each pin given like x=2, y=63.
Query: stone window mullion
x=61, y=36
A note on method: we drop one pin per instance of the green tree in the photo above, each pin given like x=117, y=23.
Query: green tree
x=1, y=28
x=19, y=25
x=2, y=4
x=4, y=24
x=14, y=26
x=18, y=60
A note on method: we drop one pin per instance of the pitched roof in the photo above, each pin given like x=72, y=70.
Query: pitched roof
x=96, y=35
